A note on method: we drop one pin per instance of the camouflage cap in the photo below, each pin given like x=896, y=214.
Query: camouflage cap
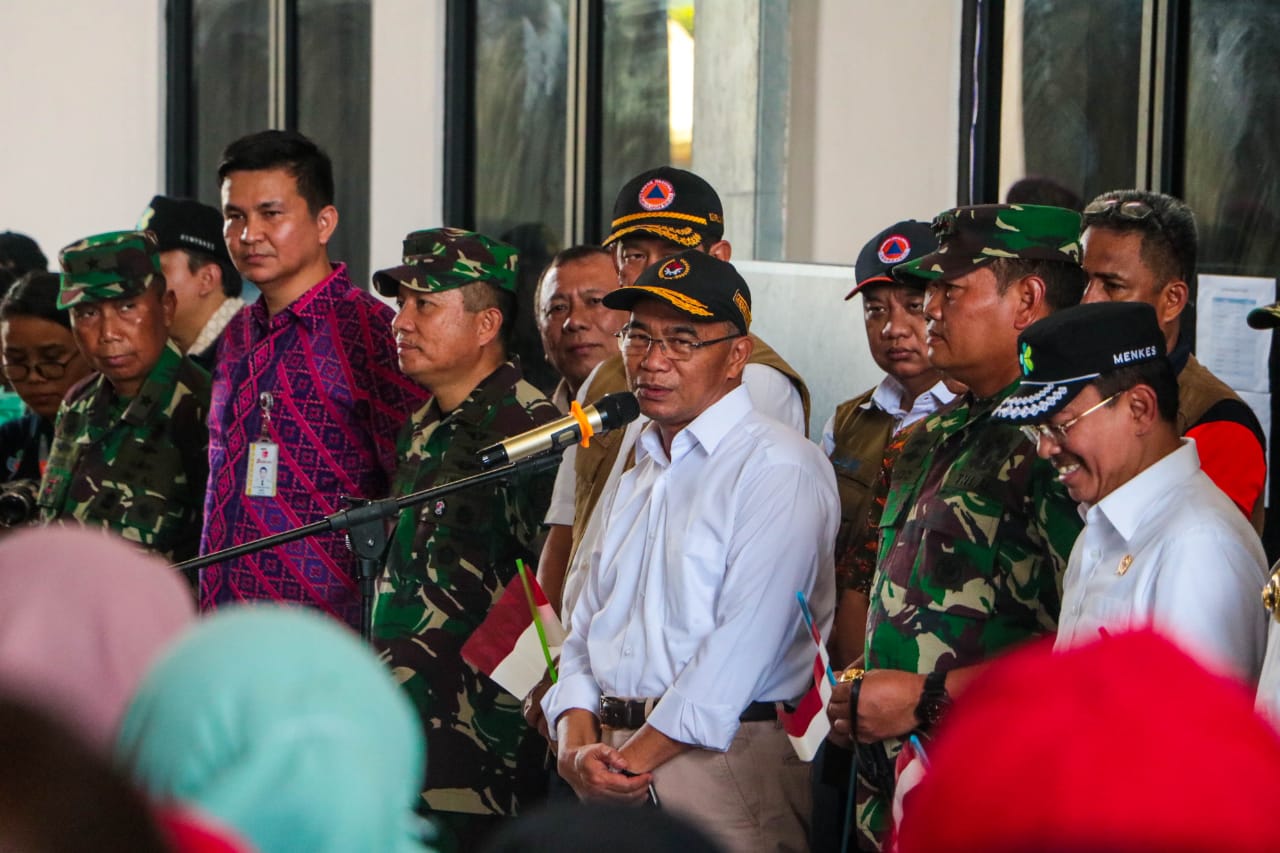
x=108, y=266
x=444, y=258
x=969, y=237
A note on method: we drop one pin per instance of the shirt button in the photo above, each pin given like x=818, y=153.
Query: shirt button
x=626, y=651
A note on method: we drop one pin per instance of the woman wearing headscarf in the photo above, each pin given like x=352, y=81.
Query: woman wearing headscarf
x=82, y=616
x=281, y=724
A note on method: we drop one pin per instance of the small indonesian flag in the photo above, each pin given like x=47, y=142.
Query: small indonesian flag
x=507, y=647
x=807, y=725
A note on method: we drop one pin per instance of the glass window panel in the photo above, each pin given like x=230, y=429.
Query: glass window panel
x=333, y=43
x=229, y=80
x=1069, y=110
x=1232, y=164
x=521, y=102
x=647, y=92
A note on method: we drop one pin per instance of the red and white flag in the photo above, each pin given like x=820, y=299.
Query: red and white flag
x=807, y=725
x=507, y=646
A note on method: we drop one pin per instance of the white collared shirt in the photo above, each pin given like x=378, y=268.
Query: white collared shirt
x=691, y=593
x=781, y=401
x=1169, y=550
x=888, y=398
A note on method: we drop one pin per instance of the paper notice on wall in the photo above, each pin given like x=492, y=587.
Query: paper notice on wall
x=1236, y=353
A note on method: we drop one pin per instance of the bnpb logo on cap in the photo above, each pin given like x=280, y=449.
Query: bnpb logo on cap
x=674, y=268
x=657, y=194
x=894, y=249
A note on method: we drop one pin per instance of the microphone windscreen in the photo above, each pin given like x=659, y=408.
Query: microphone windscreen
x=618, y=409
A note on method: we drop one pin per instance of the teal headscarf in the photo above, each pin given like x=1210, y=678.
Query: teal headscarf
x=282, y=724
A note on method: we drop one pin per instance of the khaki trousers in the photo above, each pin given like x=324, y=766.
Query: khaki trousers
x=753, y=798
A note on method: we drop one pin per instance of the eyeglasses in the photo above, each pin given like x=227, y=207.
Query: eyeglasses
x=1058, y=433
x=637, y=344
x=51, y=370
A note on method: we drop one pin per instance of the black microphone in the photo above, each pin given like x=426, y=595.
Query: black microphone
x=609, y=412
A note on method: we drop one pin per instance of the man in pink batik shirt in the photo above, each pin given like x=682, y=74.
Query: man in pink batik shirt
x=306, y=386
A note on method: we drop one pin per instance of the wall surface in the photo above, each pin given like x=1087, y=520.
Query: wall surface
x=82, y=93
x=407, y=137
x=873, y=123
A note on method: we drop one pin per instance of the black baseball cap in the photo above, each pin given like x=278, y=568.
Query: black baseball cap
x=670, y=203
x=707, y=289
x=181, y=223
x=897, y=244
x=1067, y=350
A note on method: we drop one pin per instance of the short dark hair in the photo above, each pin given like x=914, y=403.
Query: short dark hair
x=35, y=295
x=1168, y=231
x=479, y=295
x=1064, y=282
x=1037, y=189
x=231, y=283
x=288, y=150
x=569, y=256
x=1157, y=374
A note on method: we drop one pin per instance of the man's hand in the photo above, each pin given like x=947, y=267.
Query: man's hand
x=533, y=707
x=886, y=704
x=838, y=712
x=595, y=772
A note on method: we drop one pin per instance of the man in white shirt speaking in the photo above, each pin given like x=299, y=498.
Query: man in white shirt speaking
x=688, y=634
x=1162, y=545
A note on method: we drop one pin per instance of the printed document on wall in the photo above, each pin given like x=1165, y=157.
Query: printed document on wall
x=1236, y=353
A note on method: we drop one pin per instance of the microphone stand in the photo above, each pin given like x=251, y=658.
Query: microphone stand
x=365, y=522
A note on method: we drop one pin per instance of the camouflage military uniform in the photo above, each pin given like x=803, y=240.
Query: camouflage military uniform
x=449, y=562
x=137, y=466
x=451, y=559
x=976, y=533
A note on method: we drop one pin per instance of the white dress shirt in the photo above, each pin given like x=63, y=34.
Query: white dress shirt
x=888, y=398
x=1169, y=550
x=691, y=592
x=781, y=401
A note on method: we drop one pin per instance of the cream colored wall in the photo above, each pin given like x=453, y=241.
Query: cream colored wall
x=875, y=88
x=407, y=113
x=873, y=129
x=82, y=96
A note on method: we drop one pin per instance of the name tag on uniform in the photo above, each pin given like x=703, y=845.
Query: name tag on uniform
x=264, y=459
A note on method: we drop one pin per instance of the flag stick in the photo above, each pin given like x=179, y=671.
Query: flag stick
x=537, y=620
x=813, y=630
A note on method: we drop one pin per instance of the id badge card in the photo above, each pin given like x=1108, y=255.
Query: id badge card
x=264, y=459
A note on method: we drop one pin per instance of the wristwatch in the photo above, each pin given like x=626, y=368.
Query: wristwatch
x=934, y=700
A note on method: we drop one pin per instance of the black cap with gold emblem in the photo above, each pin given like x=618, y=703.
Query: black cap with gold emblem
x=670, y=203
x=694, y=283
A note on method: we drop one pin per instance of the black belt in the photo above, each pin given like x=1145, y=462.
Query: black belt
x=617, y=713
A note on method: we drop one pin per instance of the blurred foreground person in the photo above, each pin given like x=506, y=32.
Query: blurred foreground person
x=281, y=724
x=82, y=616
x=59, y=794
x=580, y=828
x=1084, y=761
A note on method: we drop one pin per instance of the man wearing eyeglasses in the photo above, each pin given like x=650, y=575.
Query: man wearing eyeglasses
x=1162, y=546
x=1141, y=247
x=687, y=633
x=976, y=530
x=130, y=446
